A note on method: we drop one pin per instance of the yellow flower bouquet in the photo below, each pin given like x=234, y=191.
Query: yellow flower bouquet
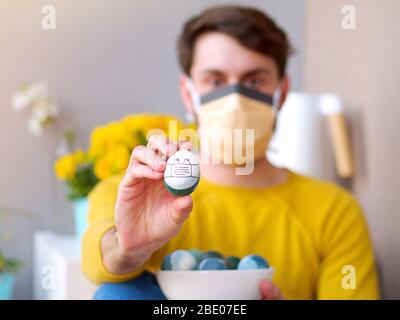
x=109, y=150
x=76, y=169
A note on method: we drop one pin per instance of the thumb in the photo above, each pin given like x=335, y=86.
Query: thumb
x=270, y=291
x=181, y=208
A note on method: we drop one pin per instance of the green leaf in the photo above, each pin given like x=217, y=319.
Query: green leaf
x=12, y=265
x=2, y=262
x=141, y=137
x=9, y=265
x=83, y=182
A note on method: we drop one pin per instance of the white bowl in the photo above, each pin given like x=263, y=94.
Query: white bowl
x=213, y=284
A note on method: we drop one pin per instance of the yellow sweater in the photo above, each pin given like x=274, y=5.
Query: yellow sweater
x=310, y=231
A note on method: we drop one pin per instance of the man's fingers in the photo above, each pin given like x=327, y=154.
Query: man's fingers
x=270, y=291
x=143, y=171
x=147, y=156
x=185, y=145
x=136, y=173
x=180, y=209
x=162, y=145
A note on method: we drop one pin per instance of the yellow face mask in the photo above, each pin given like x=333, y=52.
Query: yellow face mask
x=235, y=124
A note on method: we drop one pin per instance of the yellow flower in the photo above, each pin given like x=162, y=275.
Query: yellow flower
x=107, y=137
x=135, y=123
x=119, y=158
x=96, y=142
x=111, y=144
x=114, y=162
x=65, y=167
x=149, y=124
x=102, y=168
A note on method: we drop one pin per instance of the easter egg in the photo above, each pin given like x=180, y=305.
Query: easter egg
x=252, y=261
x=197, y=254
x=212, y=264
x=182, y=173
x=232, y=262
x=182, y=260
x=166, y=263
x=212, y=254
x=196, y=266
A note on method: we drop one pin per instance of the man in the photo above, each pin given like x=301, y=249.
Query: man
x=234, y=61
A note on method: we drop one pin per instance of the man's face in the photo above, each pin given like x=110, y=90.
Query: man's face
x=220, y=60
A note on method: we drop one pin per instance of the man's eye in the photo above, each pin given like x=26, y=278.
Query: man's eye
x=215, y=82
x=252, y=83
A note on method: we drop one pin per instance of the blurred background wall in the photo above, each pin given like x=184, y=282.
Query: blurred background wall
x=362, y=66
x=105, y=59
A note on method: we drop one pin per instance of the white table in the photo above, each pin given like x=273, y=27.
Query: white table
x=57, y=273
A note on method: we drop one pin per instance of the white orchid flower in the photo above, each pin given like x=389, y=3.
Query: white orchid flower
x=42, y=105
x=28, y=95
x=45, y=109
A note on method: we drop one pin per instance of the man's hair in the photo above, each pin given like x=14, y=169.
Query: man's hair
x=251, y=27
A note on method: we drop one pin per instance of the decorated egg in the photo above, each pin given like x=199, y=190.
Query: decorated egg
x=166, y=263
x=232, y=262
x=253, y=261
x=211, y=254
x=182, y=260
x=196, y=254
x=182, y=173
x=212, y=264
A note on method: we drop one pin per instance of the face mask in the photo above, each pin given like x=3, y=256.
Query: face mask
x=238, y=120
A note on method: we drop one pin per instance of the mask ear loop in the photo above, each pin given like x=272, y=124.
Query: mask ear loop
x=190, y=116
x=277, y=97
x=276, y=101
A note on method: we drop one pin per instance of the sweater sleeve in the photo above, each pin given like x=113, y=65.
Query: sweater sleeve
x=347, y=269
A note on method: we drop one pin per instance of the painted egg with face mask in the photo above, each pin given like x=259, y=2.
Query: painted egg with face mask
x=182, y=173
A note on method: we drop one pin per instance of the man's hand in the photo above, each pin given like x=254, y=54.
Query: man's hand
x=146, y=214
x=269, y=291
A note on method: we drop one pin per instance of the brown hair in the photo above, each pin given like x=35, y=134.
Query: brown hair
x=251, y=27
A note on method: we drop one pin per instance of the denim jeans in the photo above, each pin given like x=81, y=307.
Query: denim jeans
x=144, y=287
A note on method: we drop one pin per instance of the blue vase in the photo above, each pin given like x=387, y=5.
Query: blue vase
x=80, y=216
x=7, y=280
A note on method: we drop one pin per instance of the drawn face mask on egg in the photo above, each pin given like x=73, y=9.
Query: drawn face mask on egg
x=182, y=173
